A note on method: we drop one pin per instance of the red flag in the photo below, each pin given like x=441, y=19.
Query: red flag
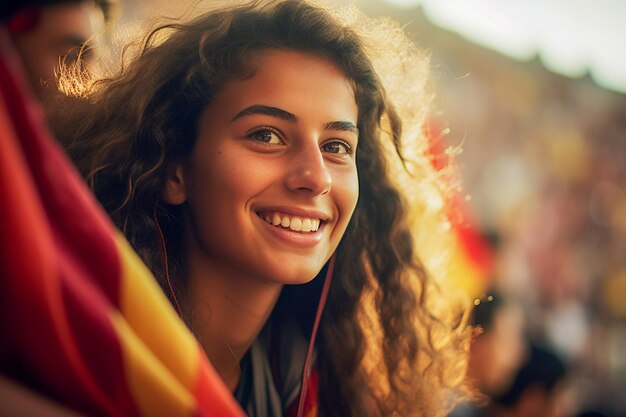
x=472, y=256
x=82, y=320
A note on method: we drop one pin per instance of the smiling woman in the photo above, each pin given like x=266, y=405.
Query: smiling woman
x=267, y=152
x=247, y=151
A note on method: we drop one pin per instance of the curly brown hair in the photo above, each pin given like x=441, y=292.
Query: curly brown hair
x=384, y=349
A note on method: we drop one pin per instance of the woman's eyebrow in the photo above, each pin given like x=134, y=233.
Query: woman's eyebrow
x=342, y=126
x=268, y=111
x=279, y=113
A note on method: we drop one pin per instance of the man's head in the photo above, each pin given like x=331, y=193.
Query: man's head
x=500, y=349
x=47, y=33
x=538, y=387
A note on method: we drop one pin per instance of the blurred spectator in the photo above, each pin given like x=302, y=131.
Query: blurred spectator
x=536, y=389
x=47, y=33
x=497, y=351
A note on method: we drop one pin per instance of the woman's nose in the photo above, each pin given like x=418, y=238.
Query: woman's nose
x=309, y=172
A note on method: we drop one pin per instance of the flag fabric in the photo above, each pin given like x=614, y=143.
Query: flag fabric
x=472, y=258
x=82, y=320
x=310, y=408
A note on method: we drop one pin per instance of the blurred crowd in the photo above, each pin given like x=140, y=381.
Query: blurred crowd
x=544, y=169
x=543, y=165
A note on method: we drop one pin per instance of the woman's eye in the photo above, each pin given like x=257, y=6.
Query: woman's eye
x=337, y=147
x=266, y=135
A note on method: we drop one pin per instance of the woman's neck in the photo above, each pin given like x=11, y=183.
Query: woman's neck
x=228, y=309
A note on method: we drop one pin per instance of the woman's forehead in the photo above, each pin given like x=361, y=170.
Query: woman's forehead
x=294, y=81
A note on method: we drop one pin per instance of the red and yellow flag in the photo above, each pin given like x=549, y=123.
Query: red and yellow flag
x=82, y=321
x=472, y=257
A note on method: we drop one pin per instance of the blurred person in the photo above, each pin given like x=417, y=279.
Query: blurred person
x=536, y=390
x=51, y=33
x=500, y=348
x=496, y=352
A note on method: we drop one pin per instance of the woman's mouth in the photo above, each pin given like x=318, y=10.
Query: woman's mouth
x=293, y=223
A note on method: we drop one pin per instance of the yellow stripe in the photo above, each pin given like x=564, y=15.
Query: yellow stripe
x=155, y=391
x=465, y=274
x=160, y=346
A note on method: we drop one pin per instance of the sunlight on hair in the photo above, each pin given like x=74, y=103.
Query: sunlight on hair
x=72, y=80
x=404, y=73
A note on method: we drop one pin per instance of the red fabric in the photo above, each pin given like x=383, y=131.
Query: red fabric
x=471, y=241
x=24, y=20
x=310, y=399
x=61, y=276
x=61, y=248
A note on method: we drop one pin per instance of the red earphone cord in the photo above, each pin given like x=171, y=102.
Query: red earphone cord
x=306, y=373
x=167, y=271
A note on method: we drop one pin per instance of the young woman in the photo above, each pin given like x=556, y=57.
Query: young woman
x=246, y=151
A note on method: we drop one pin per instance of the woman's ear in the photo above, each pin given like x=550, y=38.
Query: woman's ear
x=175, y=185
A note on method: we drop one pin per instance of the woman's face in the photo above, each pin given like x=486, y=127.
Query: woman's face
x=272, y=181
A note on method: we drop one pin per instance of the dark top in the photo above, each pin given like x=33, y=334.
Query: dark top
x=271, y=371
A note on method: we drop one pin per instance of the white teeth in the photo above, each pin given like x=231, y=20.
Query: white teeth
x=295, y=224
